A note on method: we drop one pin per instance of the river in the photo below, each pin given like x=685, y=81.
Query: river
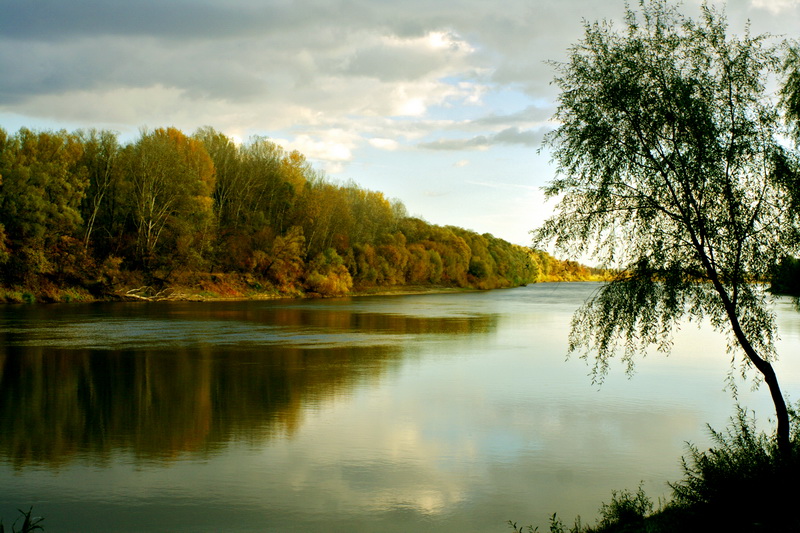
x=442, y=412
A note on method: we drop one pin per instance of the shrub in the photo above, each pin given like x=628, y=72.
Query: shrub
x=627, y=510
x=743, y=483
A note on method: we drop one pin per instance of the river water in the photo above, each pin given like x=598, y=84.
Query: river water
x=445, y=412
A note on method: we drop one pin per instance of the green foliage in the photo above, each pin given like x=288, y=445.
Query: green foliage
x=654, y=154
x=790, y=91
x=42, y=187
x=786, y=277
x=92, y=215
x=743, y=483
x=5, y=253
x=286, y=266
x=545, y=267
x=436, y=266
x=556, y=526
x=42, y=184
x=327, y=275
x=103, y=203
x=625, y=509
x=667, y=153
x=478, y=268
x=172, y=178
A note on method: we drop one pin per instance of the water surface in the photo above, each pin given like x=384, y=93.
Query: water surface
x=452, y=412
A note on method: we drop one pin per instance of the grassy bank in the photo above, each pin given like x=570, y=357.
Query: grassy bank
x=206, y=287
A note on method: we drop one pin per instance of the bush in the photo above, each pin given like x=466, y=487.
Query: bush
x=327, y=275
x=627, y=511
x=741, y=484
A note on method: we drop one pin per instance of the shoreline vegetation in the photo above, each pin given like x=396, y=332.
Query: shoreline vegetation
x=224, y=287
x=84, y=217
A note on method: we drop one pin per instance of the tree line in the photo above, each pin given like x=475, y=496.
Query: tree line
x=83, y=211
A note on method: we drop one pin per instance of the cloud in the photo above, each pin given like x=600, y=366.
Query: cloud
x=394, y=58
x=243, y=65
x=384, y=144
x=508, y=136
x=776, y=6
x=517, y=136
x=333, y=148
x=532, y=114
x=246, y=51
x=502, y=185
x=481, y=142
x=54, y=21
x=386, y=70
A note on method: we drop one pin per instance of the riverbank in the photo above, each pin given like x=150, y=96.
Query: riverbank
x=214, y=287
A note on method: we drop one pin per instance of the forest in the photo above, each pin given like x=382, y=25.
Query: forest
x=84, y=216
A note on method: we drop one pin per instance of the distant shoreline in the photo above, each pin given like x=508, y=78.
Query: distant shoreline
x=10, y=296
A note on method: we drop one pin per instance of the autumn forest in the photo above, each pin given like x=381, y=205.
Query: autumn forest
x=83, y=216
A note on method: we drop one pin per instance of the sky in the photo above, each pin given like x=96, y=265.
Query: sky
x=440, y=104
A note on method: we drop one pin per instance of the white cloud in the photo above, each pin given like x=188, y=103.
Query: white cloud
x=507, y=136
x=332, y=148
x=384, y=144
x=448, y=41
x=397, y=58
x=409, y=106
x=776, y=6
x=240, y=67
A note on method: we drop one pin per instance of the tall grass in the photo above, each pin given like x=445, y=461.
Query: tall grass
x=742, y=483
x=30, y=523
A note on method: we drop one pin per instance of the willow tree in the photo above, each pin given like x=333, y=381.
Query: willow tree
x=671, y=167
x=790, y=92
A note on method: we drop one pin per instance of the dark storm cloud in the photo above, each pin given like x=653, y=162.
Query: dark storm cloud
x=230, y=51
x=392, y=63
x=52, y=20
x=47, y=68
x=317, y=27
x=332, y=58
x=238, y=48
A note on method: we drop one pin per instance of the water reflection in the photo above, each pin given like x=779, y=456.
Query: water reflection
x=157, y=326
x=446, y=413
x=164, y=381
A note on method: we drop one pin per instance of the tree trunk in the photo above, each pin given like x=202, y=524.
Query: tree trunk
x=763, y=366
x=766, y=369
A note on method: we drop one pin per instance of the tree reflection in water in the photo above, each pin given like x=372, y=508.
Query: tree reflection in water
x=159, y=403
